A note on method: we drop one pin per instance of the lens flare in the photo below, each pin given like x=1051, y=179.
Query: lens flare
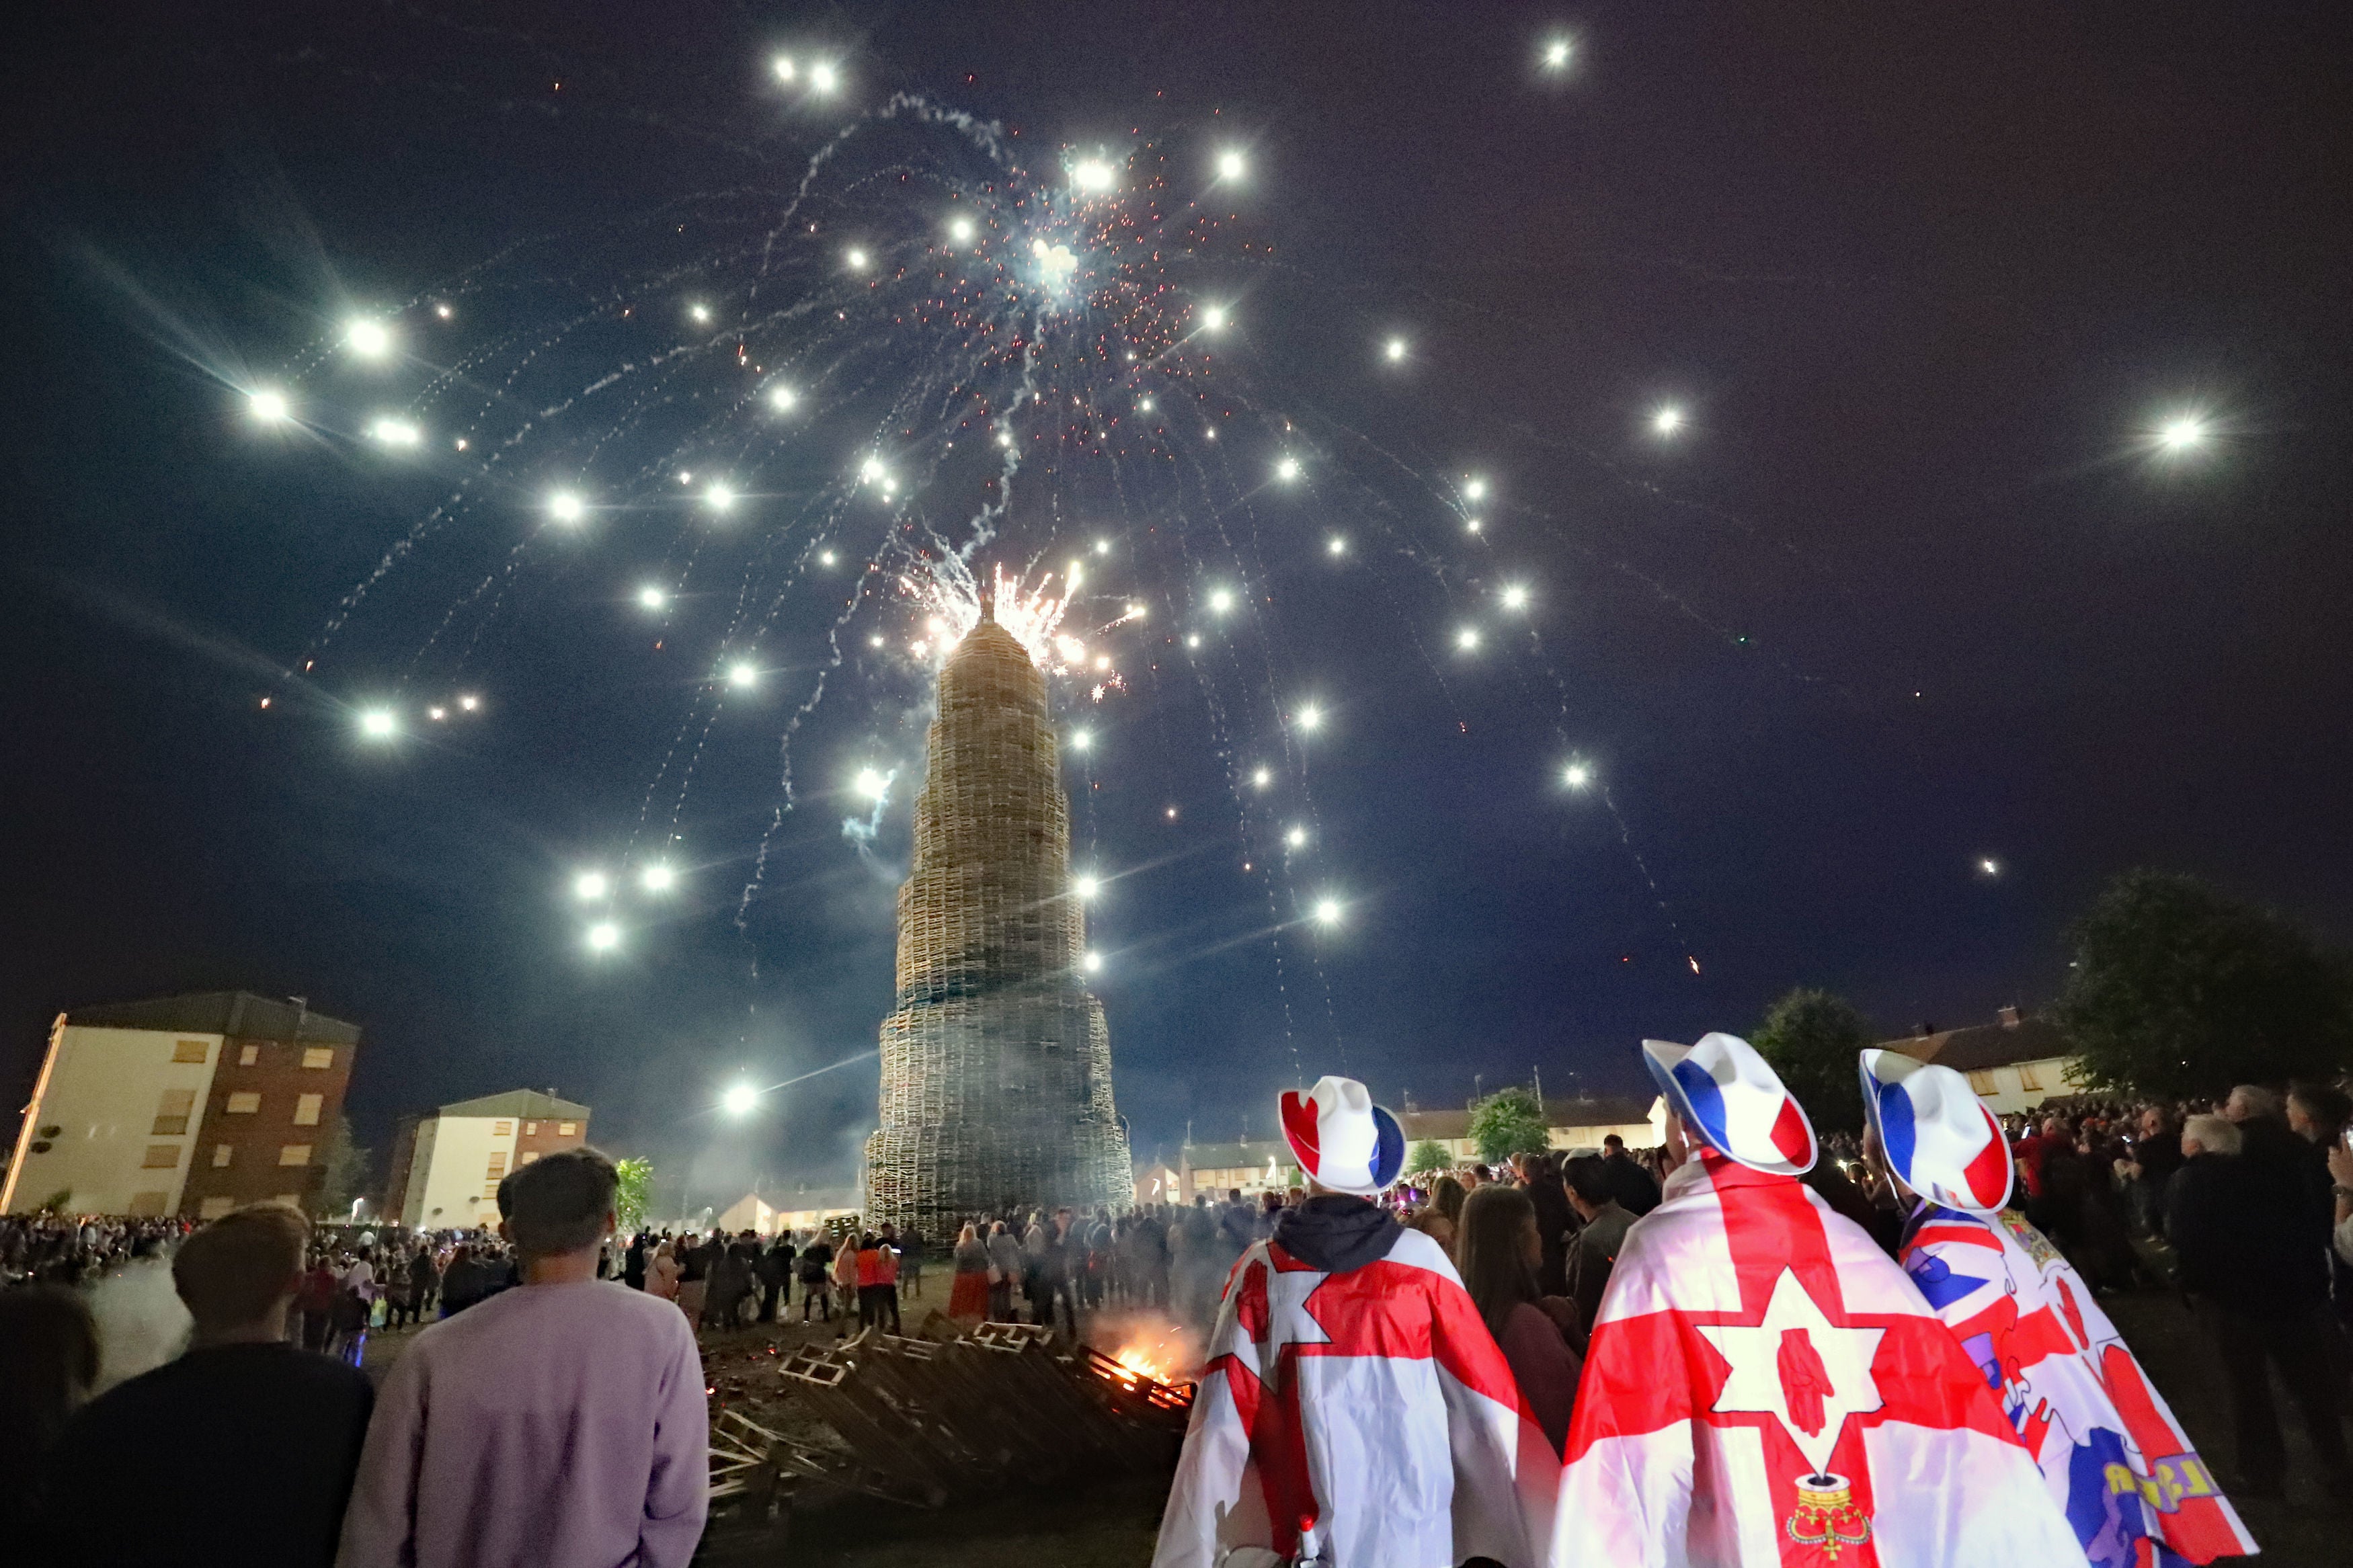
x=267, y=407
x=369, y=340
x=591, y=884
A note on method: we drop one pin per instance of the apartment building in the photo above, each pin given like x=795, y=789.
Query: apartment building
x=183, y=1105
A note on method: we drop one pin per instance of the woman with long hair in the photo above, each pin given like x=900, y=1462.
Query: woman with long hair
x=1498, y=1249
x=661, y=1273
x=968, y=1296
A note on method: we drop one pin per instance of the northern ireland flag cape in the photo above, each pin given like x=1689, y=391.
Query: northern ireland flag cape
x=2112, y=1455
x=1361, y=1419
x=1765, y=1388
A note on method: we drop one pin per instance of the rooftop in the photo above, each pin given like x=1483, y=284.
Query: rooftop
x=519, y=1102
x=2015, y=1038
x=237, y=1012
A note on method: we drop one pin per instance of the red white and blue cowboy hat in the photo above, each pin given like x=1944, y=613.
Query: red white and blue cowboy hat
x=1941, y=1140
x=1343, y=1140
x=1731, y=1099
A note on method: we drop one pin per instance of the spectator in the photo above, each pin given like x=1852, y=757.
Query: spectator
x=2256, y=1294
x=849, y=1278
x=661, y=1273
x=775, y=1273
x=48, y=1362
x=2147, y=1168
x=1005, y=1264
x=815, y=1267
x=633, y=1262
x=731, y=1282
x=1422, y=1418
x=1636, y=1190
x=469, y=1278
x=1540, y=1179
x=240, y=1451
x=969, y=1293
x=909, y=1249
x=317, y=1299
x=1500, y=1252
x=886, y=1279
x=1595, y=1251
x=561, y=1422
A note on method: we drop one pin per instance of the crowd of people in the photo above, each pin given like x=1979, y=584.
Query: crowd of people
x=544, y=1391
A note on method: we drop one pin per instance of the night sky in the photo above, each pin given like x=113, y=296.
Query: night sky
x=1913, y=586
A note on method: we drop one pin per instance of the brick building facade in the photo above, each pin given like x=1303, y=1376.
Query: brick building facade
x=185, y=1105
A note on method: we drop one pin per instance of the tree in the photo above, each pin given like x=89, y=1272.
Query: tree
x=632, y=1193
x=1507, y=1123
x=2179, y=991
x=345, y=1173
x=1812, y=1038
x=1427, y=1155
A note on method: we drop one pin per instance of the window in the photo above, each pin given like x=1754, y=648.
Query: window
x=318, y=1056
x=306, y=1108
x=249, y=1055
x=1982, y=1082
x=498, y=1164
x=147, y=1206
x=213, y=1208
x=502, y=1129
x=243, y=1103
x=2027, y=1077
x=197, y=1051
x=529, y=1155
x=531, y=1129
x=294, y=1154
x=160, y=1157
x=172, y=1110
x=222, y=1154
x=291, y=1200
x=566, y=1129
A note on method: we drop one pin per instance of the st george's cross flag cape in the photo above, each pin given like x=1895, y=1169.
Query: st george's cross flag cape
x=1362, y=1418
x=1765, y=1388
x=2113, y=1457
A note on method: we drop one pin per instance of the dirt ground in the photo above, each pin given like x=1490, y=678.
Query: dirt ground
x=1112, y=1523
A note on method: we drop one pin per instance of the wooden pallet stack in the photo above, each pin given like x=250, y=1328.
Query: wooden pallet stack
x=951, y=1415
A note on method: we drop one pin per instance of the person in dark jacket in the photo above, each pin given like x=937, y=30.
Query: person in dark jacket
x=775, y=1271
x=243, y=1450
x=816, y=1278
x=1636, y=1190
x=1594, y=1252
x=2256, y=1290
x=1540, y=1179
x=633, y=1262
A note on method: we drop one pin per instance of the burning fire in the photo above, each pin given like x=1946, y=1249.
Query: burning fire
x=1158, y=1350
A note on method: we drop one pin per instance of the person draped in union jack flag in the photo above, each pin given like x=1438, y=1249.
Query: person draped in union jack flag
x=2111, y=1453
x=1354, y=1412
x=1764, y=1388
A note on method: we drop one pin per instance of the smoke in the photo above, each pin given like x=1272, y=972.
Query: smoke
x=860, y=831
x=141, y=1322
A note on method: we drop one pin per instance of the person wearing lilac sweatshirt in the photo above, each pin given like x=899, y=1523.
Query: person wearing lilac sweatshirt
x=563, y=1422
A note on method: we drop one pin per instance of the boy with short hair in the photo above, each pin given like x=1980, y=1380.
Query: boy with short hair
x=240, y=1451
x=563, y=1421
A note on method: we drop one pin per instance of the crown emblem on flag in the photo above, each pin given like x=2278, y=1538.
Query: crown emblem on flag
x=1826, y=1515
